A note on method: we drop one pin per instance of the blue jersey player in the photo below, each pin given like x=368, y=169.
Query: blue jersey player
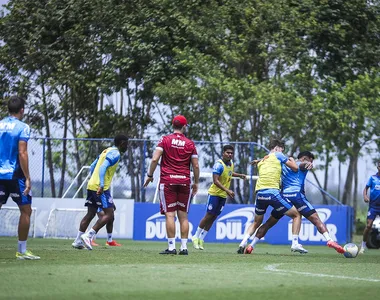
x=14, y=170
x=373, y=184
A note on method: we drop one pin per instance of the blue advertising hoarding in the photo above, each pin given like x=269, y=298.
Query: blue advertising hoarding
x=231, y=225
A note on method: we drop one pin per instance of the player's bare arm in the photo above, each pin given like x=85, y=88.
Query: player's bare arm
x=215, y=179
x=241, y=176
x=196, y=171
x=365, y=195
x=292, y=164
x=24, y=163
x=153, y=165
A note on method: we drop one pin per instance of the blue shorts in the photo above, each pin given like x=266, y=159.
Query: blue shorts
x=215, y=204
x=271, y=197
x=300, y=202
x=105, y=200
x=101, y=209
x=372, y=213
x=15, y=189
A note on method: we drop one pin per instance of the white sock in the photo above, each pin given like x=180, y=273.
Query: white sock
x=91, y=233
x=77, y=240
x=171, y=243
x=198, y=232
x=254, y=242
x=21, y=247
x=245, y=240
x=364, y=244
x=183, y=244
x=109, y=237
x=295, y=239
x=203, y=234
x=327, y=236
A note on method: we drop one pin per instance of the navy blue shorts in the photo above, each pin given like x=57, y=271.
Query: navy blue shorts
x=104, y=200
x=271, y=197
x=372, y=213
x=15, y=189
x=215, y=204
x=300, y=202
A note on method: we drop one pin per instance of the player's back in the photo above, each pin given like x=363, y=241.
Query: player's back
x=176, y=158
x=12, y=130
x=270, y=171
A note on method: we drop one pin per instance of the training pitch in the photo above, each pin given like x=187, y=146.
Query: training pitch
x=137, y=271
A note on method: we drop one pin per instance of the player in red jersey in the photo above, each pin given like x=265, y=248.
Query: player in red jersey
x=178, y=153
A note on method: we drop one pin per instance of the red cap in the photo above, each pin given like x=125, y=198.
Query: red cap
x=179, y=121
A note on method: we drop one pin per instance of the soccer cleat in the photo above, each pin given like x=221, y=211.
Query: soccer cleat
x=93, y=243
x=28, y=255
x=183, y=252
x=77, y=245
x=195, y=242
x=113, y=244
x=86, y=241
x=336, y=246
x=362, y=250
x=167, y=251
x=201, y=244
x=298, y=248
x=248, y=250
x=240, y=250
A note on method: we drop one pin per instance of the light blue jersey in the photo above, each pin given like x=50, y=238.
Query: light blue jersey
x=374, y=195
x=12, y=130
x=293, y=181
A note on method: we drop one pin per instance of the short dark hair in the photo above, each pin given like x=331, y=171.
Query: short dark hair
x=119, y=139
x=276, y=143
x=305, y=153
x=15, y=104
x=228, y=147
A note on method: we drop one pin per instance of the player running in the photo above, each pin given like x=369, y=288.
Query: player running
x=268, y=192
x=373, y=184
x=293, y=184
x=98, y=193
x=217, y=194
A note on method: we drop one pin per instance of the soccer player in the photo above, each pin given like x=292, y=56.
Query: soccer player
x=373, y=184
x=178, y=153
x=293, y=184
x=268, y=192
x=14, y=170
x=98, y=193
x=217, y=194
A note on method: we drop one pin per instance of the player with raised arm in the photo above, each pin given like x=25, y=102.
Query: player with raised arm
x=222, y=173
x=14, y=170
x=268, y=192
x=98, y=193
x=293, y=189
x=373, y=184
x=177, y=153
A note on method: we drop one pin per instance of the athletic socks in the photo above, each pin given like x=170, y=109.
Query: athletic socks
x=254, y=242
x=78, y=240
x=327, y=236
x=109, y=237
x=171, y=244
x=183, y=244
x=91, y=233
x=21, y=247
x=245, y=240
x=203, y=234
x=295, y=239
x=198, y=232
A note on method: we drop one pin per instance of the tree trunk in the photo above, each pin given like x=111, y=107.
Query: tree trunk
x=76, y=143
x=49, y=148
x=64, y=144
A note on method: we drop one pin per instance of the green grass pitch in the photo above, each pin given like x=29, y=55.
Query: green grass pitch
x=137, y=271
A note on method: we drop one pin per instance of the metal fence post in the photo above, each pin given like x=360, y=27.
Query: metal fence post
x=143, y=171
x=43, y=167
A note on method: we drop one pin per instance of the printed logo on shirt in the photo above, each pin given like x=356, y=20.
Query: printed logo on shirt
x=178, y=143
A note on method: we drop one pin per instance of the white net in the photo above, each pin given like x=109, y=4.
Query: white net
x=9, y=218
x=64, y=222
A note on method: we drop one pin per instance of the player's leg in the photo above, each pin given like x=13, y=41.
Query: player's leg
x=107, y=206
x=370, y=218
x=183, y=204
x=91, y=212
x=109, y=227
x=168, y=200
x=24, y=203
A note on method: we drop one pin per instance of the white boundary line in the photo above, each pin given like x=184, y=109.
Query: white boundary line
x=273, y=268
